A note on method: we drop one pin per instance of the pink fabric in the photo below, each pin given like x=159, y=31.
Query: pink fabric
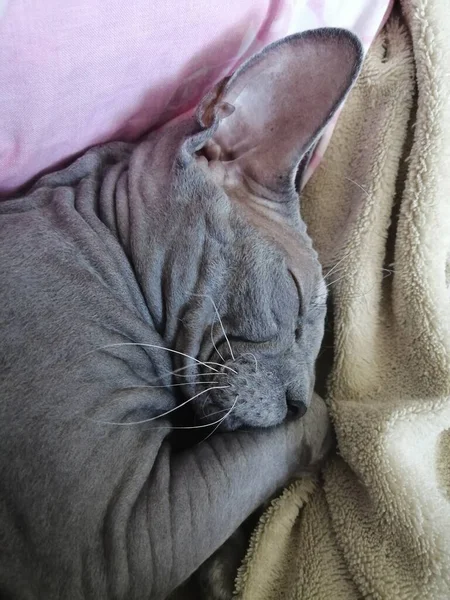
x=75, y=73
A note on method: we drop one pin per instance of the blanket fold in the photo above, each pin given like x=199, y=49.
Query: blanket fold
x=378, y=209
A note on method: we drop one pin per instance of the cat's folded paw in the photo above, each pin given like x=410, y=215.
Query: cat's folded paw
x=317, y=438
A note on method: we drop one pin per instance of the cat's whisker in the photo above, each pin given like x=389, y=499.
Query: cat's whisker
x=222, y=366
x=363, y=189
x=216, y=373
x=178, y=373
x=152, y=346
x=214, y=343
x=323, y=297
x=363, y=294
x=170, y=385
x=167, y=412
x=221, y=420
x=200, y=374
x=211, y=332
x=216, y=412
x=221, y=325
x=336, y=272
x=254, y=358
x=383, y=269
x=329, y=284
x=334, y=267
x=204, y=405
x=218, y=422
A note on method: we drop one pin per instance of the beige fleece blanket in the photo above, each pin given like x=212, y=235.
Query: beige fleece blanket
x=379, y=210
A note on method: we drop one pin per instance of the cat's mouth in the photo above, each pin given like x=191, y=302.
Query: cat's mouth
x=242, y=393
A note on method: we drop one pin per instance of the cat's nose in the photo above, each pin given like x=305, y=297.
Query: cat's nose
x=298, y=400
x=296, y=409
x=298, y=395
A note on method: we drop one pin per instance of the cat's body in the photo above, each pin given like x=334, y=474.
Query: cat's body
x=105, y=265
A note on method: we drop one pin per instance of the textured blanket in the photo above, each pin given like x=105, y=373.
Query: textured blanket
x=378, y=525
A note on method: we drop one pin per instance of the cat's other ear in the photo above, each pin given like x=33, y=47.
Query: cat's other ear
x=271, y=111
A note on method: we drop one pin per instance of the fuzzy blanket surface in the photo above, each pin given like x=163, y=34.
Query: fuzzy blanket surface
x=378, y=208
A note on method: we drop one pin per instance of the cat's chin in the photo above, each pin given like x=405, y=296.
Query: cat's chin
x=241, y=418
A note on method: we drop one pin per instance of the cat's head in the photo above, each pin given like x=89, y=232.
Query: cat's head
x=243, y=287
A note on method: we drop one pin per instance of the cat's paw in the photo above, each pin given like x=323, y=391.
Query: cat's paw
x=316, y=438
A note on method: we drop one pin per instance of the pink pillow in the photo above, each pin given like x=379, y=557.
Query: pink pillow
x=75, y=73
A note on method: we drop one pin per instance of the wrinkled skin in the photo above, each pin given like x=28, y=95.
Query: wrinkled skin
x=112, y=271
x=256, y=266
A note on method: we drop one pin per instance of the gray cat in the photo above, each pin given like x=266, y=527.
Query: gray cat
x=150, y=278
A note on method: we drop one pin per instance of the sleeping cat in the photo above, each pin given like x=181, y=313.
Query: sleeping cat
x=149, y=278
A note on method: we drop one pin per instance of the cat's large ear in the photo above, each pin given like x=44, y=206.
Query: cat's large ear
x=272, y=110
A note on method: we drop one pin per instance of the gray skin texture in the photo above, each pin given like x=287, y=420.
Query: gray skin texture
x=109, y=261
